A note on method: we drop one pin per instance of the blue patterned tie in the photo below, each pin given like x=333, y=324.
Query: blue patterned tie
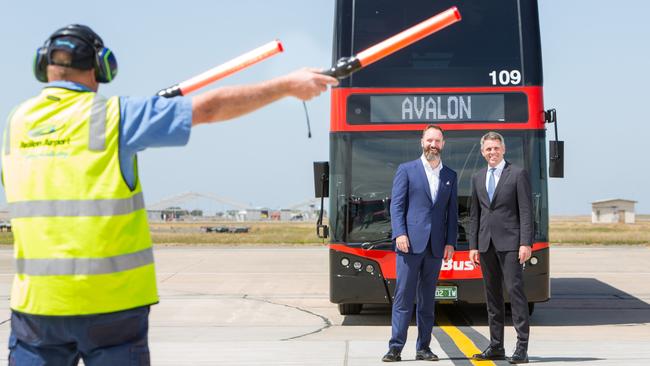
x=491, y=184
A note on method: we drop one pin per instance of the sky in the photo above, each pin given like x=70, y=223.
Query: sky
x=595, y=58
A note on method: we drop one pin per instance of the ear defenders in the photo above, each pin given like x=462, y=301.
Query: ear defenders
x=104, y=63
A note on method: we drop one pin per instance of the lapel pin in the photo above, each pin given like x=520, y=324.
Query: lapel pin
x=447, y=183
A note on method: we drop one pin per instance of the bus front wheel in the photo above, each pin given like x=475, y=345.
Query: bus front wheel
x=350, y=309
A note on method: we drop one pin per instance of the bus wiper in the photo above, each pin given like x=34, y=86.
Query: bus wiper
x=383, y=243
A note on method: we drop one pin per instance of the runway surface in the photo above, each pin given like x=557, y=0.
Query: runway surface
x=263, y=305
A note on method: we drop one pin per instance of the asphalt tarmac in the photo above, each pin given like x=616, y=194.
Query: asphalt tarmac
x=264, y=305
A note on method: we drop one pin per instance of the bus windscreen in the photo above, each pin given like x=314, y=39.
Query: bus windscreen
x=364, y=165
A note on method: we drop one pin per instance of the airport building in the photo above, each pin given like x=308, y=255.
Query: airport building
x=611, y=211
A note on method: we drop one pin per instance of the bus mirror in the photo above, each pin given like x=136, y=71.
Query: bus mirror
x=322, y=231
x=321, y=178
x=556, y=159
x=555, y=148
x=322, y=189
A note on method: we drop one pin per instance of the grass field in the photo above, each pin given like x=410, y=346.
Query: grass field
x=563, y=230
x=580, y=230
x=259, y=233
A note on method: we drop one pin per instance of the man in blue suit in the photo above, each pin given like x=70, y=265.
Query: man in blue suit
x=424, y=217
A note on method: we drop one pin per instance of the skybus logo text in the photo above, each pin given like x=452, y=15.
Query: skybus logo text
x=457, y=266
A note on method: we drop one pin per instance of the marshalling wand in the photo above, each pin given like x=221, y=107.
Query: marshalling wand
x=347, y=65
x=223, y=70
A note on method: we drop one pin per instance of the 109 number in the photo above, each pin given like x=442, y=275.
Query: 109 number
x=505, y=77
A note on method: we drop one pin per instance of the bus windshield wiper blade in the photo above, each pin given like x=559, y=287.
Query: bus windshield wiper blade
x=383, y=243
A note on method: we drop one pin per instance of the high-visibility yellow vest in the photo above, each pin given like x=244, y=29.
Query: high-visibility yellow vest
x=81, y=238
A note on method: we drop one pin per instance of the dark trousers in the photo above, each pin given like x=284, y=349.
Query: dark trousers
x=100, y=340
x=417, y=275
x=499, y=268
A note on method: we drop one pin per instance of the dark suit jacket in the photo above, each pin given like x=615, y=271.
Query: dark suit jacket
x=413, y=213
x=508, y=220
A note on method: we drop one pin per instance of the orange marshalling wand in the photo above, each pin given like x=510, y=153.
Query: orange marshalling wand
x=223, y=70
x=346, y=66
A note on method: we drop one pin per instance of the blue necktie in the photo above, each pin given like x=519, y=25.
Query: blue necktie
x=491, y=184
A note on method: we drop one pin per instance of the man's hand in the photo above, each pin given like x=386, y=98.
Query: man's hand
x=524, y=253
x=307, y=83
x=402, y=242
x=474, y=257
x=449, y=252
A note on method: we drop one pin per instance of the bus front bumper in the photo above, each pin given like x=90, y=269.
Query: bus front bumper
x=350, y=285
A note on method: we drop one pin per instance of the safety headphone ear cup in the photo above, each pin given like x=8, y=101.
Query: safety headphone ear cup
x=40, y=64
x=105, y=65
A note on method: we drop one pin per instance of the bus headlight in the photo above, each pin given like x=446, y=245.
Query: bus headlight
x=357, y=266
x=370, y=268
x=533, y=261
x=345, y=262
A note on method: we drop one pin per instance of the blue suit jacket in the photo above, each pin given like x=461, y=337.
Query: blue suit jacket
x=413, y=212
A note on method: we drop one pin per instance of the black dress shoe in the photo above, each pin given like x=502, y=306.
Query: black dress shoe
x=426, y=354
x=520, y=356
x=393, y=355
x=491, y=353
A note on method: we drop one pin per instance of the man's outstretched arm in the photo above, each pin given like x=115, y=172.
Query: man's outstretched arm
x=233, y=101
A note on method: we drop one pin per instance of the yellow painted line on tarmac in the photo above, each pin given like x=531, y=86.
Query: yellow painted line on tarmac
x=462, y=341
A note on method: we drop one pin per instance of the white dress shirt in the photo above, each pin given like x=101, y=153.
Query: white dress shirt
x=497, y=174
x=433, y=176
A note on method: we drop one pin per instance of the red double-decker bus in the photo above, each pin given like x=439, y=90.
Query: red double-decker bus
x=484, y=73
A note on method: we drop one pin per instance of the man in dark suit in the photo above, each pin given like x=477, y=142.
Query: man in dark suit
x=501, y=229
x=424, y=218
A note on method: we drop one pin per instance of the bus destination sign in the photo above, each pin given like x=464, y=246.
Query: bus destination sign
x=437, y=108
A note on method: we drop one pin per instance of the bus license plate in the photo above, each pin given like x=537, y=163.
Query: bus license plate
x=446, y=293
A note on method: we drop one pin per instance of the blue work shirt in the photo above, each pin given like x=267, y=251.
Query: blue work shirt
x=146, y=122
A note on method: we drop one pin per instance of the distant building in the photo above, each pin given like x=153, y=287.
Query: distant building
x=5, y=220
x=154, y=215
x=249, y=214
x=254, y=214
x=613, y=211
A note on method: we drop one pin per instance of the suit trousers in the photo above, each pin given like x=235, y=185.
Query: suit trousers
x=417, y=275
x=499, y=268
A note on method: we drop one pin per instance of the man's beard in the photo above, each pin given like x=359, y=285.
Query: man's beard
x=431, y=154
